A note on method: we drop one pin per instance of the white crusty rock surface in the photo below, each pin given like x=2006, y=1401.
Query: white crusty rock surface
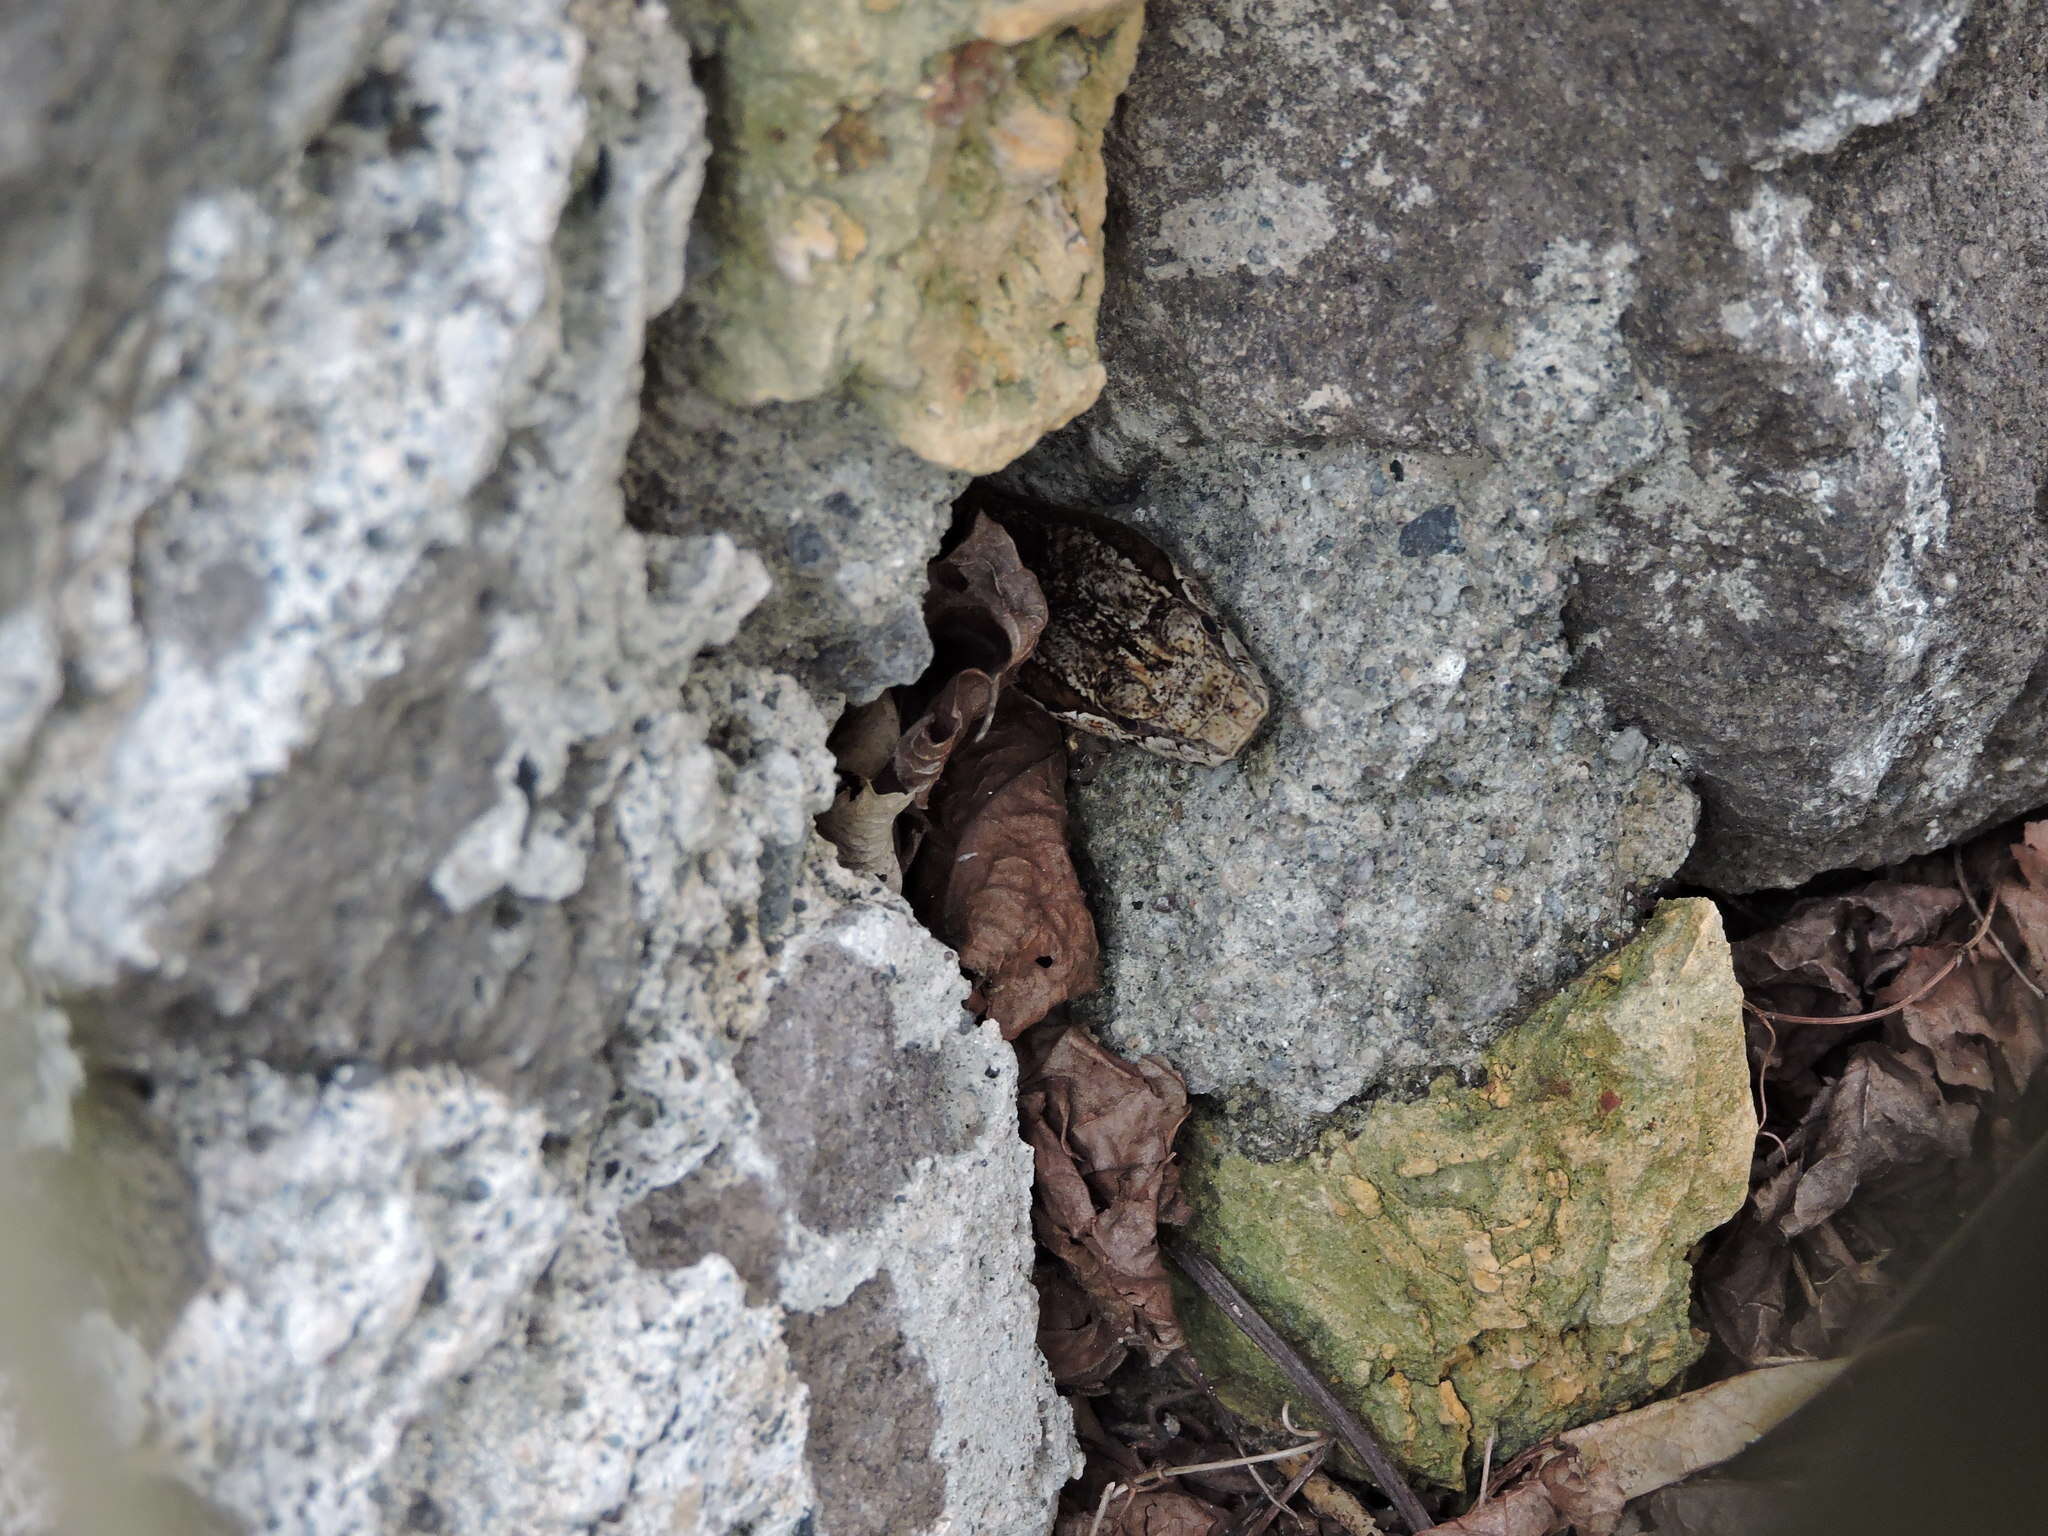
x=469, y=1099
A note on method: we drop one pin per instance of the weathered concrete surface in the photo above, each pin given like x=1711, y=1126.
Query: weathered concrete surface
x=907, y=200
x=1507, y=1259
x=498, y=1112
x=842, y=519
x=1822, y=582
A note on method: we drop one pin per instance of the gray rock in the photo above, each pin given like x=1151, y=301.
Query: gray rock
x=649, y=1387
x=1820, y=587
x=422, y=896
x=842, y=517
x=1325, y=255
x=1433, y=830
x=1851, y=534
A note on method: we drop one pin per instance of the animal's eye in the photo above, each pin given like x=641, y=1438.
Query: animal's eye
x=1215, y=630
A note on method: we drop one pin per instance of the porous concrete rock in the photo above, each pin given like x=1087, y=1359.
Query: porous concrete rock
x=908, y=200
x=1432, y=830
x=420, y=894
x=362, y=1245
x=1490, y=1264
x=1823, y=587
x=842, y=518
x=841, y=1142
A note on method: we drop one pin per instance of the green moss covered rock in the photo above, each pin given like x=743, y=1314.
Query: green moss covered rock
x=1508, y=1259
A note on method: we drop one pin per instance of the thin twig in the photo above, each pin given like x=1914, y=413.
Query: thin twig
x=1485, y=1470
x=1160, y=1474
x=1356, y=1437
x=1153, y=1477
x=1936, y=980
x=1308, y=1470
x=1102, y=1506
x=1997, y=943
x=1763, y=1071
x=1227, y=1421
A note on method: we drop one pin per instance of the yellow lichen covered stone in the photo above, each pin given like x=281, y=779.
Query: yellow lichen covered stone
x=1508, y=1259
x=906, y=200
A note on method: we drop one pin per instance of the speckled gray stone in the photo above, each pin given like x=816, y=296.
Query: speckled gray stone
x=1823, y=586
x=416, y=868
x=842, y=517
x=1433, y=829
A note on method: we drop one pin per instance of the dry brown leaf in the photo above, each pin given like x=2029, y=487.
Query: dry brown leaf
x=1082, y=1346
x=1743, y=1284
x=1101, y=1131
x=865, y=738
x=961, y=710
x=994, y=878
x=985, y=611
x=1523, y=1510
x=1150, y=1512
x=1649, y=1448
x=2024, y=895
x=861, y=824
x=1946, y=1015
x=1831, y=951
x=1886, y=1111
x=1982, y=1026
x=1585, y=1493
x=1879, y=1129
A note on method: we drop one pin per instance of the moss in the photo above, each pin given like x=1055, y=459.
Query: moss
x=1506, y=1259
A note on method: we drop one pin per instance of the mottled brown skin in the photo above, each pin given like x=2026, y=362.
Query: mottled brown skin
x=1133, y=650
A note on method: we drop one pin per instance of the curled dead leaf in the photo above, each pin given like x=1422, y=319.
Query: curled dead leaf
x=985, y=611
x=1101, y=1132
x=961, y=710
x=865, y=738
x=994, y=878
x=1884, y=1112
x=1831, y=952
x=861, y=824
x=1082, y=1345
x=1895, y=1026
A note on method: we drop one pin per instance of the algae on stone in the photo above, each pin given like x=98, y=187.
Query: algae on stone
x=1508, y=1259
x=906, y=198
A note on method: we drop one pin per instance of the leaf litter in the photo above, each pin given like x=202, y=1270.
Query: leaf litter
x=954, y=792
x=1893, y=1026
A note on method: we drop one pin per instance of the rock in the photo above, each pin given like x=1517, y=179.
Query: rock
x=908, y=200
x=851, y=1167
x=1433, y=830
x=842, y=519
x=1854, y=529
x=1507, y=1259
x=498, y=1110
x=1817, y=580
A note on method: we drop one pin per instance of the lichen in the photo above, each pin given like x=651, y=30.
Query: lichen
x=1507, y=1259
x=906, y=201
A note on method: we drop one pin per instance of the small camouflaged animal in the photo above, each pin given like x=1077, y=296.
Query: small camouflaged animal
x=1132, y=650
